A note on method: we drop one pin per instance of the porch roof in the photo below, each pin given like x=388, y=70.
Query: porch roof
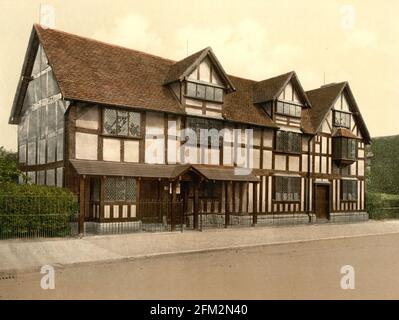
x=106, y=168
x=226, y=174
x=172, y=171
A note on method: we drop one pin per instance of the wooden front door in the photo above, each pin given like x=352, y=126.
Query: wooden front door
x=322, y=201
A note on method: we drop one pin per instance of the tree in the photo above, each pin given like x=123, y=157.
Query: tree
x=9, y=171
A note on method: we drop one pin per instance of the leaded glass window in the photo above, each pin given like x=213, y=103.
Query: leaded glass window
x=206, y=130
x=121, y=122
x=288, y=109
x=287, y=188
x=120, y=189
x=201, y=91
x=348, y=190
x=342, y=119
x=344, y=148
x=287, y=141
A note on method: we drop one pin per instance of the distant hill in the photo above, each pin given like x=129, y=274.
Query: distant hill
x=383, y=176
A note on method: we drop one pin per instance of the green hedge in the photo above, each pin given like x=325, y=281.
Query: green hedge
x=383, y=206
x=32, y=210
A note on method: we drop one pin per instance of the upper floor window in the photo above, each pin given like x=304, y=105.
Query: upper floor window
x=288, y=109
x=287, y=188
x=344, y=148
x=121, y=123
x=342, y=119
x=348, y=190
x=287, y=141
x=197, y=125
x=205, y=92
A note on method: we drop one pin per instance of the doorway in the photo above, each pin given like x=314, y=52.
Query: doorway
x=322, y=201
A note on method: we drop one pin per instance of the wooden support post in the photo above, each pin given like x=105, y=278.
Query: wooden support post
x=81, y=204
x=229, y=188
x=255, y=204
x=196, y=205
x=173, y=210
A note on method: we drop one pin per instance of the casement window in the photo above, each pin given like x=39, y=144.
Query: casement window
x=288, y=109
x=344, y=148
x=120, y=189
x=348, y=190
x=289, y=142
x=121, y=123
x=342, y=119
x=204, y=92
x=287, y=188
x=196, y=124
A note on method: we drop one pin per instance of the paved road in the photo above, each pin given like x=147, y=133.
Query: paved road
x=308, y=270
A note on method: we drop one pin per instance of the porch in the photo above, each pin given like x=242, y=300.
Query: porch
x=138, y=197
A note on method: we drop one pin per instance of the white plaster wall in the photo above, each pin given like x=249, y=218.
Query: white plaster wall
x=293, y=163
x=227, y=155
x=154, y=142
x=87, y=117
x=267, y=159
x=280, y=162
x=86, y=146
x=193, y=111
x=360, y=164
x=305, y=163
x=268, y=138
x=131, y=151
x=111, y=149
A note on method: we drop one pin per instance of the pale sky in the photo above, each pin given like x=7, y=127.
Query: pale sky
x=356, y=41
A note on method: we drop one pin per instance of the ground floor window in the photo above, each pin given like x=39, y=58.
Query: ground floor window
x=287, y=188
x=348, y=190
x=119, y=189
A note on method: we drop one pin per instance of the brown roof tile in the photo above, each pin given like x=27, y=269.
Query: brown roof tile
x=268, y=89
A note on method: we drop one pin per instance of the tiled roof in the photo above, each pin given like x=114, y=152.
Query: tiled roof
x=107, y=168
x=344, y=132
x=268, y=89
x=93, y=71
x=322, y=100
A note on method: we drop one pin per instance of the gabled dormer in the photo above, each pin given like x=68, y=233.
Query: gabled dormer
x=336, y=112
x=282, y=98
x=200, y=83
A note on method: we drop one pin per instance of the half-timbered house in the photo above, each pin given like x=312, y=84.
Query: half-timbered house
x=125, y=130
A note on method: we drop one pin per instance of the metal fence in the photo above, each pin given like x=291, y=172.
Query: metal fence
x=37, y=216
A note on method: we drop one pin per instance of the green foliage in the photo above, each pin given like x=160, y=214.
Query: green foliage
x=32, y=210
x=384, y=173
x=382, y=206
x=9, y=171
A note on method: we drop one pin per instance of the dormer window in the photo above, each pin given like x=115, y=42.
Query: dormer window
x=342, y=119
x=204, y=92
x=288, y=109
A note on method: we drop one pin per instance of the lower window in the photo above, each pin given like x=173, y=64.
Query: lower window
x=287, y=188
x=348, y=190
x=120, y=189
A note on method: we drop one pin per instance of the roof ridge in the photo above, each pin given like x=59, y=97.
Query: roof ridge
x=40, y=27
x=328, y=86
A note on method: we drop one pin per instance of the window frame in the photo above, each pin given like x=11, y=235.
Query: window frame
x=287, y=149
x=344, y=185
x=128, y=136
x=338, y=148
x=341, y=112
x=290, y=104
x=124, y=180
x=205, y=85
x=292, y=184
